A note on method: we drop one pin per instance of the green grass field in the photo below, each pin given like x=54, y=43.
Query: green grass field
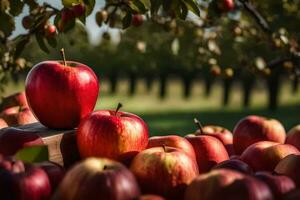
x=174, y=115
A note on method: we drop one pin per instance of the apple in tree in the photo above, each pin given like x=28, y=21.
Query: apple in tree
x=98, y=178
x=23, y=181
x=13, y=139
x=61, y=93
x=164, y=171
x=293, y=137
x=265, y=155
x=137, y=20
x=234, y=164
x=289, y=166
x=223, y=134
x=252, y=129
x=112, y=134
x=172, y=141
x=78, y=9
x=209, y=151
x=279, y=185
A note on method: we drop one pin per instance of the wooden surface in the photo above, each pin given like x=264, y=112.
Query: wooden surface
x=61, y=143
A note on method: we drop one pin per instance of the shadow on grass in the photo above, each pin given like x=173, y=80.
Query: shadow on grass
x=181, y=123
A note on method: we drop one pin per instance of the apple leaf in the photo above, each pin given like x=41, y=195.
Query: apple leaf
x=192, y=6
x=41, y=42
x=21, y=45
x=89, y=5
x=127, y=20
x=52, y=41
x=33, y=154
x=16, y=7
x=137, y=6
x=7, y=24
x=70, y=3
x=182, y=11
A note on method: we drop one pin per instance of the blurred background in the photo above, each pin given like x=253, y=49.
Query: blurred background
x=218, y=67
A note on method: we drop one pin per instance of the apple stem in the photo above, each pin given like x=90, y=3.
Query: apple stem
x=62, y=52
x=164, y=147
x=118, y=108
x=199, y=125
x=104, y=167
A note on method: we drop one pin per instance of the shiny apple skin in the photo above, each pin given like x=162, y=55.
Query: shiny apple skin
x=172, y=141
x=98, y=178
x=223, y=134
x=116, y=136
x=279, y=185
x=13, y=139
x=252, y=129
x=60, y=96
x=289, y=166
x=265, y=155
x=23, y=182
x=293, y=137
x=209, y=151
x=235, y=164
x=164, y=171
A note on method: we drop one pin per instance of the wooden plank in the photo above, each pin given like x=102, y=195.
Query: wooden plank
x=61, y=144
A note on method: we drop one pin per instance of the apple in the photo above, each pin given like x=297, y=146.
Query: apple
x=101, y=16
x=209, y=151
x=3, y=124
x=23, y=181
x=289, y=166
x=234, y=164
x=21, y=117
x=252, y=129
x=293, y=195
x=54, y=171
x=78, y=10
x=279, y=185
x=27, y=22
x=137, y=20
x=225, y=5
x=16, y=99
x=112, y=134
x=98, y=178
x=150, y=197
x=172, y=141
x=164, y=171
x=227, y=184
x=293, y=137
x=61, y=93
x=265, y=155
x=50, y=30
x=223, y=134
x=13, y=139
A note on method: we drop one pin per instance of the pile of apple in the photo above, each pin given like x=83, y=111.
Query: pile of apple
x=257, y=161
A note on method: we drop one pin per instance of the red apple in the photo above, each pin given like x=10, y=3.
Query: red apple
x=54, y=171
x=235, y=164
x=112, y=134
x=228, y=185
x=27, y=22
x=165, y=171
x=21, y=117
x=50, y=30
x=252, y=129
x=3, y=124
x=150, y=197
x=98, y=178
x=223, y=134
x=265, y=155
x=209, y=151
x=289, y=166
x=279, y=185
x=60, y=94
x=14, y=139
x=172, y=141
x=137, y=20
x=293, y=137
x=101, y=16
x=78, y=10
x=16, y=99
x=26, y=182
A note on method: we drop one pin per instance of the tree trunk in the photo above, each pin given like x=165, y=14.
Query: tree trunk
x=132, y=83
x=273, y=91
x=162, y=86
x=113, y=82
x=208, y=82
x=248, y=83
x=187, y=86
x=227, y=83
x=295, y=85
x=149, y=80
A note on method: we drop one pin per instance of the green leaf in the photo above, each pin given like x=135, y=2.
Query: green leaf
x=146, y=3
x=192, y=6
x=155, y=5
x=41, y=42
x=7, y=25
x=70, y=3
x=127, y=20
x=16, y=7
x=21, y=45
x=137, y=6
x=182, y=11
x=52, y=41
x=90, y=4
x=33, y=154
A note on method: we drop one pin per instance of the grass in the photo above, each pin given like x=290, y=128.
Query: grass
x=174, y=115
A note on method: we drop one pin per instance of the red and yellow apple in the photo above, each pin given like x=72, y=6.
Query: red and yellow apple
x=209, y=151
x=252, y=129
x=164, y=171
x=293, y=137
x=289, y=166
x=234, y=164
